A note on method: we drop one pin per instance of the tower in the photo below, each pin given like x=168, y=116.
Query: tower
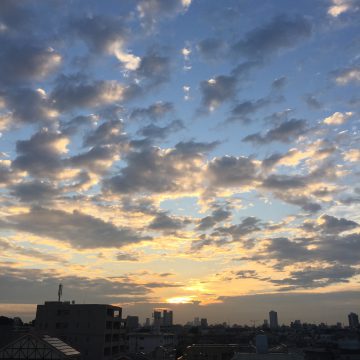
x=273, y=319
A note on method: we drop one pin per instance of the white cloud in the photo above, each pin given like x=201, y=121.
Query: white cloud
x=348, y=75
x=337, y=118
x=339, y=7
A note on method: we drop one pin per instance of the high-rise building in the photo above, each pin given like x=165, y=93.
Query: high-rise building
x=157, y=322
x=273, y=319
x=204, y=323
x=167, y=317
x=353, y=320
x=93, y=329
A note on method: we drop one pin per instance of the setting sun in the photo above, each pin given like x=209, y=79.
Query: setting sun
x=180, y=300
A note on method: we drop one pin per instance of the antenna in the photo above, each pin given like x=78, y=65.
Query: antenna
x=60, y=292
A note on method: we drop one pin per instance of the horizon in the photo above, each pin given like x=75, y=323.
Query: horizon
x=190, y=154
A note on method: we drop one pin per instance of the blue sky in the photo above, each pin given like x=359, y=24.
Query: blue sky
x=183, y=153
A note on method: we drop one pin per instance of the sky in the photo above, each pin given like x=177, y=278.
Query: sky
x=200, y=155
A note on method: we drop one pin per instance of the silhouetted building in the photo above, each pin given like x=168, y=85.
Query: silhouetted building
x=132, y=323
x=157, y=318
x=273, y=319
x=148, y=342
x=353, y=320
x=204, y=323
x=212, y=351
x=162, y=317
x=167, y=317
x=93, y=329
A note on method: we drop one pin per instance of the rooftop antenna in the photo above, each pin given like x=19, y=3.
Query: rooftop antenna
x=60, y=292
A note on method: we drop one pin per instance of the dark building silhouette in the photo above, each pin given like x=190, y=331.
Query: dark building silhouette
x=93, y=329
x=273, y=319
x=353, y=320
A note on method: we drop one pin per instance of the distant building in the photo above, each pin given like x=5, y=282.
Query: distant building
x=131, y=323
x=36, y=347
x=162, y=317
x=204, y=323
x=196, y=321
x=268, y=356
x=157, y=322
x=167, y=317
x=93, y=329
x=148, y=342
x=273, y=319
x=212, y=351
x=353, y=320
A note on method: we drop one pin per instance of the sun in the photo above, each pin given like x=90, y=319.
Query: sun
x=180, y=300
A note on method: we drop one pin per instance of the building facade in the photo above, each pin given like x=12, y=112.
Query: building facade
x=93, y=329
x=273, y=319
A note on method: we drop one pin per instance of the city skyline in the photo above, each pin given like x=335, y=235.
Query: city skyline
x=184, y=154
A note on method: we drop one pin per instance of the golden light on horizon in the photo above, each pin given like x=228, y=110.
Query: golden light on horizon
x=180, y=300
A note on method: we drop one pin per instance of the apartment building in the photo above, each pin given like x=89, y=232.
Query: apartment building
x=95, y=330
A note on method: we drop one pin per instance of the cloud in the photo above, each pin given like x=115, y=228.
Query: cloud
x=332, y=225
x=121, y=256
x=247, y=226
x=80, y=230
x=158, y=170
x=285, y=182
x=280, y=33
x=242, y=111
x=41, y=154
x=340, y=7
x=231, y=171
x=279, y=83
x=217, y=215
x=76, y=91
x=152, y=131
x=352, y=155
x=347, y=75
x=211, y=48
x=7, y=174
x=285, y=132
x=164, y=222
x=337, y=118
x=150, y=11
x=316, y=277
x=108, y=133
x=26, y=106
x=36, y=283
x=217, y=90
x=26, y=62
x=35, y=191
x=7, y=246
x=106, y=34
x=13, y=14
x=153, y=112
x=98, y=159
x=79, y=121
x=312, y=102
x=222, y=88
x=154, y=69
